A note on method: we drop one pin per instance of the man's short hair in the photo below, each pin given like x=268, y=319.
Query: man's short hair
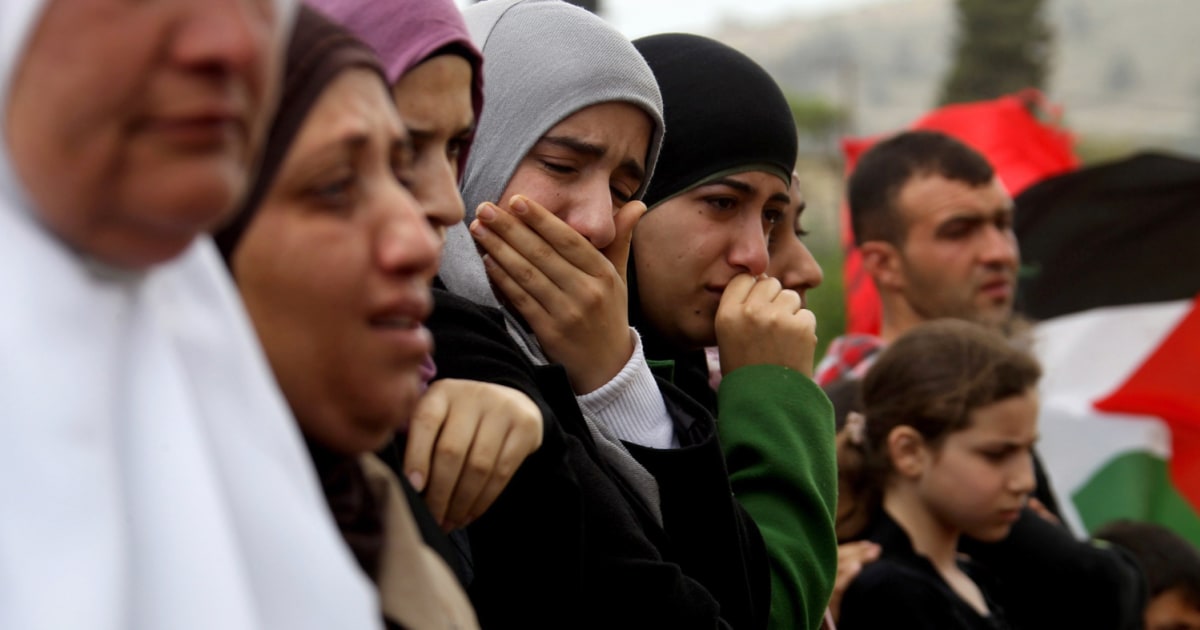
x=887, y=166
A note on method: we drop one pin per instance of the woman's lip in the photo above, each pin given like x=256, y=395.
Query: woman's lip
x=407, y=309
x=199, y=132
x=414, y=342
x=997, y=288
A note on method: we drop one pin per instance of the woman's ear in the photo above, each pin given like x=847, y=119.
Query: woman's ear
x=907, y=451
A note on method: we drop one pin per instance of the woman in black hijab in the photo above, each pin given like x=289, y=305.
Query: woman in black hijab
x=697, y=279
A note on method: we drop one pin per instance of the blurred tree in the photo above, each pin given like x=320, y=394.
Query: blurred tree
x=1000, y=47
x=590, y=5
x=816, y=117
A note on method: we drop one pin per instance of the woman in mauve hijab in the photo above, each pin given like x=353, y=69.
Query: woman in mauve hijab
x=150, y=473
x=334, y=259
x=435, y=73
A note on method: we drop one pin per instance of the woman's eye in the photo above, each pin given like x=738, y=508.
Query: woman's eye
x=336, y=194
x=722, y=203
x=621, y=196
x=772, y=217
x=560, y=169
x=997, y=456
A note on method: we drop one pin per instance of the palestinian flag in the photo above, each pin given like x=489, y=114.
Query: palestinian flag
x=1113, y=279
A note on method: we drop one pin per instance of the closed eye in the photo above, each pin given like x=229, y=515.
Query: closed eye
x=558, y=168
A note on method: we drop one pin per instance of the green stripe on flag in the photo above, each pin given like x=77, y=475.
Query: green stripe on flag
x=1136, y=486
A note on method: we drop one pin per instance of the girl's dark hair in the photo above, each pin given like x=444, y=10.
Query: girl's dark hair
x=930, y=379
x=1167, y=559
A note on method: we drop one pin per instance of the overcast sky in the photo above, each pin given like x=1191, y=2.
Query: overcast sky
x=644, y=17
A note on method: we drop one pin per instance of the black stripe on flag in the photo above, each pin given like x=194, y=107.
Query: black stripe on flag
x=1125, y=232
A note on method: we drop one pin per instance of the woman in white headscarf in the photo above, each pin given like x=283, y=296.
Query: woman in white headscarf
x=150, y=475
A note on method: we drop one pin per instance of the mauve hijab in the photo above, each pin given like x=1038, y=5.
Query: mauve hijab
x=405, y=33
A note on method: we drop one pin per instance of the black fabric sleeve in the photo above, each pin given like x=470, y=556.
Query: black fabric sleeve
x=563, y=545
x=710, y=534
x=1047, y=578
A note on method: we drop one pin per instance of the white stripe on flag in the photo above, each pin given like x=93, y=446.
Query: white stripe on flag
x=1086, y=356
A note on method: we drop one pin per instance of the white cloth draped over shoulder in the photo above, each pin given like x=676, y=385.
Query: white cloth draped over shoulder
x=151, y=476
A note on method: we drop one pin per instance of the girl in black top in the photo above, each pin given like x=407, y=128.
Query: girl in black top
x=945, y=444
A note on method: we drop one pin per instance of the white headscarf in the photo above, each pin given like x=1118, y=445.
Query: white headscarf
x=150, y=474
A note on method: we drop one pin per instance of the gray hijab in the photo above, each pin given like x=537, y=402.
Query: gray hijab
x=543, y=61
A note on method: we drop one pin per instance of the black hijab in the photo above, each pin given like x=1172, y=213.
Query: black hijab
x=724, y=114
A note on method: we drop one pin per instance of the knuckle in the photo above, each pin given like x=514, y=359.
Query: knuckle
x=478, y=467
x=448, y=453
x=524, y=275
x=504, y=471
x=591, y=295
x=542, y=251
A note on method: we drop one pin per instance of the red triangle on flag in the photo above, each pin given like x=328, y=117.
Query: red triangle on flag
x=1167, y=385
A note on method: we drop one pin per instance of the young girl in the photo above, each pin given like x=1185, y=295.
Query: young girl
x=945, y=444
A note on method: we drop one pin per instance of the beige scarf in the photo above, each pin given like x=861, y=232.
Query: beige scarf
x=416, y=587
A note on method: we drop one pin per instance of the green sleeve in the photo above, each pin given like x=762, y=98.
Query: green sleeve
x=777, y=430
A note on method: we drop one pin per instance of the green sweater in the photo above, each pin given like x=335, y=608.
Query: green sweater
x=777, y=429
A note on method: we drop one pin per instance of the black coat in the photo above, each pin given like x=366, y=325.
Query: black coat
x=1048, y=579
x=568, y=543
x=902, y=590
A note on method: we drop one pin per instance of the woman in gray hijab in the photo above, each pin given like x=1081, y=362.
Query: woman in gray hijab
x=625, y=515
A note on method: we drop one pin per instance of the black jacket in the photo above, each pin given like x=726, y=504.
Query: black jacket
x=902, y=590
x=568, y=543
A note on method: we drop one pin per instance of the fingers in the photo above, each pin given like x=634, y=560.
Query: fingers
x=453, y=444
x=1041, y=510
x=517, y=445
x=477, y=469
x=544, y=271
x=510, y=432
x=522, y=271
x=484, y=432
x=858, y=551
x=852, y=557
x=515, y=292
x=423, y=431
x=618, y=252
x=541, y=238
x=764, y=290
x=737, y=290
